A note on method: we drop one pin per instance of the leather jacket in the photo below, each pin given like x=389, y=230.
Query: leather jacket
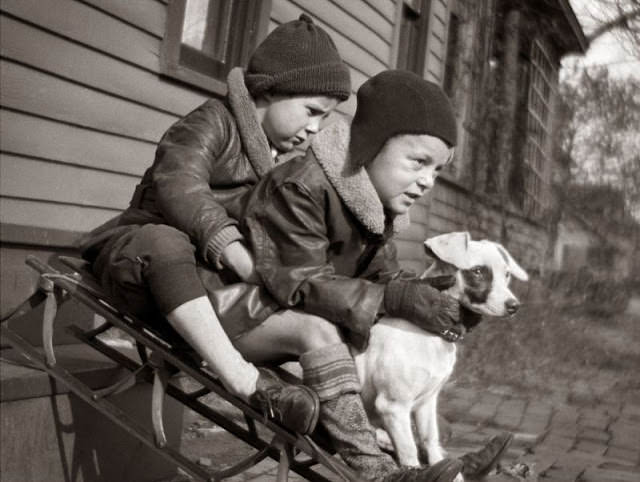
x=320, y=236
x=205, y=164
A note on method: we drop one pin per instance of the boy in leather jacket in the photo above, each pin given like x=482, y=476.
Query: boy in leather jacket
x=179, y=240
x=177, y=253
x=320, y=228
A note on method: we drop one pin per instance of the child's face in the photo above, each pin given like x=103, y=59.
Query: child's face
x=406, y=168
x=288, y=121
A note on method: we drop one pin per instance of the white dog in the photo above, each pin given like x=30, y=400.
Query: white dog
x=404, y=367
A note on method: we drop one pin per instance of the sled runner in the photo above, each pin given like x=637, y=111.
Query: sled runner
x=159, y=360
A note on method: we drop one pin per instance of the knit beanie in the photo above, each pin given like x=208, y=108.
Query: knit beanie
x=397, y=102
x=298, y=58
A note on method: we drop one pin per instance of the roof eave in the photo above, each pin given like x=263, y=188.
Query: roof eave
x=580, y=44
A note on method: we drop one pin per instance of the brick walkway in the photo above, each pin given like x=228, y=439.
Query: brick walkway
x=554, y=441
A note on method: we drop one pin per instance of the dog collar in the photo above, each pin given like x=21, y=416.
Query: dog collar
x=451, y=335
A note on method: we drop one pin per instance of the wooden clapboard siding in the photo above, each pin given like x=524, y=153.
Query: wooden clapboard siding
x=31, y=136
x=362, y=32
x=450, y=208
x=48, y=215
x=330, y=14
x=90, y=27
x=363, y=49
x=148, y=15
x=416, y=231
x=420, y=213
x=386, y=8
x=63, y=58
x=28, y=90
x=83, y=106
x=374, y=20
x=37, y=179
x=351, y=51
x=347, y=107
x=437, y=41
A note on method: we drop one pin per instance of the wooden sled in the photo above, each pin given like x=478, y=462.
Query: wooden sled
x=159, y=359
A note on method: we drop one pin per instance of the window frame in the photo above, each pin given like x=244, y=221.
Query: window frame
x=542, y=91
x=171, y=47
x=405, y=59
x=452, y=57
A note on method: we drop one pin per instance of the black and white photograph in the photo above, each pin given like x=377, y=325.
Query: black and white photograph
x=324, y=240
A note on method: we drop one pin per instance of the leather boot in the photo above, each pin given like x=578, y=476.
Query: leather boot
x=444, y=471
x=295, y=407
x=479, y=464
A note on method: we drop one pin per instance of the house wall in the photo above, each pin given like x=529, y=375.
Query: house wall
x=452, y=205
x=83, y=104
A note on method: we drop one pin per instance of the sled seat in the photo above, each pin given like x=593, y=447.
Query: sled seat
x=160, y=358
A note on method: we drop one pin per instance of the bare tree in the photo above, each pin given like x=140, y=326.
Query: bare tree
x=620, y=18
x=599, y=132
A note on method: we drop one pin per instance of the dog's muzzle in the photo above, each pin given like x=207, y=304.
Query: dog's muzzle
x=512, y=306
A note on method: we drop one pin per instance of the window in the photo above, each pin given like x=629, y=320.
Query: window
x=542, y=90
x=205, y=39
x=453, y=54
x=412, y=44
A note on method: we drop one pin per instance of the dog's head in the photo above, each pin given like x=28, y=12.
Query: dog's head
x=482, y=271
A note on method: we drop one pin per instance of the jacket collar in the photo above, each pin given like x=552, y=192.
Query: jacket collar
x=254, y=140
x=331, y=148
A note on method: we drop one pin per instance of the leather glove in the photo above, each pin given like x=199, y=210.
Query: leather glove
x=470, y=319
x=441, y=283
x=420, y=303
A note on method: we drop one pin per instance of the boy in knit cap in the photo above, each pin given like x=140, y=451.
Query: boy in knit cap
x=176, y=253
x=320, y=227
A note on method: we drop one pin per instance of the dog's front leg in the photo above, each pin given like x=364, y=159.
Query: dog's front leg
x=396, y=416
x=426, y=416
x=427, y=427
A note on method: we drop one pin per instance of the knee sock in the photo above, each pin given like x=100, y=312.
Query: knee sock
x=198, y=324
x=331, y=372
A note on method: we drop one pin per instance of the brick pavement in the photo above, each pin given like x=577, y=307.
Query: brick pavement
x=554, y=441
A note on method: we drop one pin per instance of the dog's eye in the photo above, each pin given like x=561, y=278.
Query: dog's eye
x=477, y=271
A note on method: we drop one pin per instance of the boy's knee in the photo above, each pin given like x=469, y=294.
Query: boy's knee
x=317, y=332
x=160, y=240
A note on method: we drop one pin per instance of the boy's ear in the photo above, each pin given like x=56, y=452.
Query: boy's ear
x=450, y=248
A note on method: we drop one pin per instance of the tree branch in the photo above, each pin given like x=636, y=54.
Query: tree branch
x=620, y=21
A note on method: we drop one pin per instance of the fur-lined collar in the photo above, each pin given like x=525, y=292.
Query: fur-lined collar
x=254, y=140
x=331, y=148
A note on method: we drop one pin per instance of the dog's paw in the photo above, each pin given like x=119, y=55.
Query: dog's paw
x=459, y=478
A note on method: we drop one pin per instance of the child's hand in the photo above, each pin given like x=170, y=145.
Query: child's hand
x=238, y=258
x=418, y=302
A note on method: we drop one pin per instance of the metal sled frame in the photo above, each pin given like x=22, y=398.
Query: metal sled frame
x=159, y=360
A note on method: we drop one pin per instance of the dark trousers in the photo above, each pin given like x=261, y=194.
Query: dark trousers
x=152, y=269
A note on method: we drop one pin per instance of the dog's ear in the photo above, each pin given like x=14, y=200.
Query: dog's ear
x=450, y=248
x=515, y=269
